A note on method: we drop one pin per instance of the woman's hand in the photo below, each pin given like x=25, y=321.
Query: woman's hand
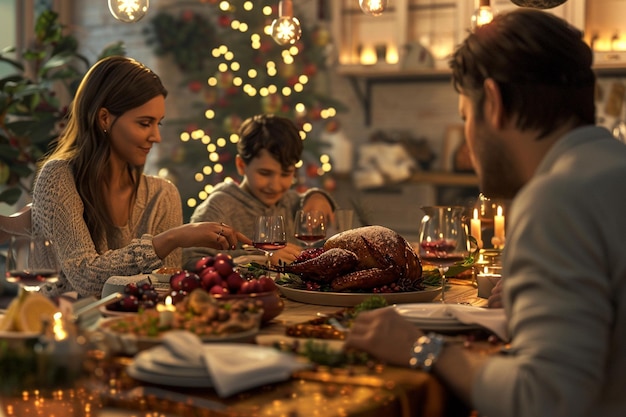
x=384, y=334
x=226, y=237
x=203, y=234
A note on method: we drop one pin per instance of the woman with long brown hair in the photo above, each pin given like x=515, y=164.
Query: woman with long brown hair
x=91, y=196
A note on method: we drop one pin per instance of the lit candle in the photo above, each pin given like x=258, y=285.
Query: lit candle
x=391, y=56
x=498, y=228
x=475, y=228
x=368, y=55
x=166, y=312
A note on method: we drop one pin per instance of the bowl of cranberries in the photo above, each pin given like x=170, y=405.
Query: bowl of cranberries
x=135, y=297
x=219, y=276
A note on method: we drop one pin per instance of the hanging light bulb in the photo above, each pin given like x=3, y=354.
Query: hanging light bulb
x=129, y=11
x=482, y=15
x=373, y=7
x=286, y=29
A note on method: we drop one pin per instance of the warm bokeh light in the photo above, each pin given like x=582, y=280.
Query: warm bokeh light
x=129, y=11
x=373, y=7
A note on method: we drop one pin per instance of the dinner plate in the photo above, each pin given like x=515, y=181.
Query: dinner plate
x=171, y=380
x=425, y=312
x=144, y=342
x=162, y=356
x=148, y=365
x=349, y=299
x=430, y=317
x=150, y=361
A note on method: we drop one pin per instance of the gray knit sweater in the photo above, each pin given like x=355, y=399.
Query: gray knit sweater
x=237, y=207
x=58, y=214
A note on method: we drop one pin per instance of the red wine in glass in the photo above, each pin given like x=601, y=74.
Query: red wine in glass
x=269, y=234
x=308, y=239
x=440, y=252
x=443, y=239
x=310, y=226
x=269, y=245
x=33, y=278
x=31, y=262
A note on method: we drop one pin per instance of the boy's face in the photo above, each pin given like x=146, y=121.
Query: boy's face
x=265, y=177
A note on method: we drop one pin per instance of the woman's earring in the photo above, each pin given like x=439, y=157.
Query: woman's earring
x=105, y=131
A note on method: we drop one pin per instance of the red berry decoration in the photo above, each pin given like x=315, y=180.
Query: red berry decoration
x=234, y=282
x=267, y=283
x=203, y=263
x=210, y=277
x=190, y=282
x=218, y=289
x=225, y=257
x=176, y=280
x=224, y=267
x=178, y=296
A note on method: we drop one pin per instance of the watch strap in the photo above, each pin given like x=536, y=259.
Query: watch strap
x=426, y=350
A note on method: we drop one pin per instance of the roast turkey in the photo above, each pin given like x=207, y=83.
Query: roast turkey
x=363, y=258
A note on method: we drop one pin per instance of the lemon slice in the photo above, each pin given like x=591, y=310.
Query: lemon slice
x=7, y=322
x=34, y=308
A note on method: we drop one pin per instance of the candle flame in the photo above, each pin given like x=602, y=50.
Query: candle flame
x=58, y=327
x=475, y=213
x=499, y=211
x=168, y=300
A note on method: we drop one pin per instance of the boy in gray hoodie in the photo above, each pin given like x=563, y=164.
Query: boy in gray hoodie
x=268, y=150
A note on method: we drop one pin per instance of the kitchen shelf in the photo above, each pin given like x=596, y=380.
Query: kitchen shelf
x=607, y=71
x=363, y=79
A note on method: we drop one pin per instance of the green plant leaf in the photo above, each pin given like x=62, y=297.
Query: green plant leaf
x=22, y=170
x=11, y=195
x=30, y=109
x=8, y=152
x=113, y=49
x=47, y=28
x=12, y=62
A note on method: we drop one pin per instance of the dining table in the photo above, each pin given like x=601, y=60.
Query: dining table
x=361, y=389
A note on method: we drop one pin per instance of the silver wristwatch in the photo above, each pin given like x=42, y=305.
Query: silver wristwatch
x=426, y=350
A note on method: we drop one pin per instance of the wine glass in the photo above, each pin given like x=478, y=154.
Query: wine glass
x=310, y=226
x=443, y=239
x=269, y=234
x=31, y=262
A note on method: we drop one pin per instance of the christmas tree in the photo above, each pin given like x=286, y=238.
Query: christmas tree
x=235, y=70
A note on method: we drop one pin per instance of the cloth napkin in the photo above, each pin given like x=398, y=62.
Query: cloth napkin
x=493, y=319
x=233, y=367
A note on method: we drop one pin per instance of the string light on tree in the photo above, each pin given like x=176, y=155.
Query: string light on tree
x=241, y=72
x=286, y=28
x=373, y=7
x=482, y=15
x=129, y=11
